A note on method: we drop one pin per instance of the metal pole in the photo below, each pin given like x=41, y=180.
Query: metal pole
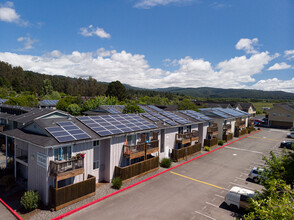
x=14, y=159
x=6, y=145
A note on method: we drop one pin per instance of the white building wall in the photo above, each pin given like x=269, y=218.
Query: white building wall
x=233, y=125
x=220, y=125
x=116, y=153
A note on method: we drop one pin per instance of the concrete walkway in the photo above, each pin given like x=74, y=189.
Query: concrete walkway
x=5, y=213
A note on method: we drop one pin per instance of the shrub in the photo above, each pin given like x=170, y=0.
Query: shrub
x=30, y=200
x=220, y=142
x=116, y=183
x=206, y=148
x=166, y=162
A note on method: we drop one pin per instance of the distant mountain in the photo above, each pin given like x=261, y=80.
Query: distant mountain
x=207, y=92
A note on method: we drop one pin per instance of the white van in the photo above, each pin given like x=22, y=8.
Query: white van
x=239, y=197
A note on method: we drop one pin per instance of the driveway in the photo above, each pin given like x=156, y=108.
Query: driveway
x=195, y=190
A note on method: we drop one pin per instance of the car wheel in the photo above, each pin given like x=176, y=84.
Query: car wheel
x=255, y=179
x=233, y=208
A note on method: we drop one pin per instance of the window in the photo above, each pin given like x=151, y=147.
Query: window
x=131, y=140
x=274, y=114
x=96, y=156
x=96, y=143
x=288, y=115
x=189, y=129
x=62, y=153
x=244, y=198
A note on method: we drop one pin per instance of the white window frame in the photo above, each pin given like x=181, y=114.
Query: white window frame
x=57, y=148
x=96, y=163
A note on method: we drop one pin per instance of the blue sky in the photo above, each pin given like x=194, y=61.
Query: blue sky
x=154, y=43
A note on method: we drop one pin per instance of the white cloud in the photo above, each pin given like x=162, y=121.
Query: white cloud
x=146, y=4
x=8, y=14
x=133, y=69
x=217, y=5
x=275, y=85
x=27, y=41
x=92, y=31
x=280, y=66
x=247, y=45
x=289, y=54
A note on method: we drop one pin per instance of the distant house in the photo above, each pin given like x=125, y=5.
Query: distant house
x=247, y=107
x=46, y=103
x=281, y=115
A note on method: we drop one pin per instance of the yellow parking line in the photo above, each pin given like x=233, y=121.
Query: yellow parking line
x=264, y=138
x=196, y=180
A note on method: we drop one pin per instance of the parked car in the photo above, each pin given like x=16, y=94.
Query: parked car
x=239, y=197
x=290, y=135
x=287, y=144
x=255, y=174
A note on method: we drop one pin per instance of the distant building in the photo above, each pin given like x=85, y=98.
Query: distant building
x=46, y=103
x=281, y=115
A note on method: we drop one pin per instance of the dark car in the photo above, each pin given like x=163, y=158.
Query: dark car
x=287, y=144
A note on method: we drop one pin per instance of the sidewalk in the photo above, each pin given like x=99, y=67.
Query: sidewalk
x=5, y=213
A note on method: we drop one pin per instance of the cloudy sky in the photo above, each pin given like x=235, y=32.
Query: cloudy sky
x=154, y=43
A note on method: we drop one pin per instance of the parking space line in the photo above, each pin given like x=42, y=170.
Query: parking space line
x=252, y=151
x=264, y=138
x=242, y=186
x=208, y=203
x=199, y=181
x=246, y=174
x=239, y=178
x=205, y=215
x=219, y=196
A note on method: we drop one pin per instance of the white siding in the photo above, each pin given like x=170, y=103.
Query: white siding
x=116, y=153
x=233, y=122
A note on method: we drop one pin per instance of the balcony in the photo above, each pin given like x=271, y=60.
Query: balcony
x=227, y=137
x=240, y=124
x=182, y=153
x=210, y=142
x=152, y=147
x=187, y=137
x=213, y=131
x=66, y=169
x=227, y=128
x=134, y=151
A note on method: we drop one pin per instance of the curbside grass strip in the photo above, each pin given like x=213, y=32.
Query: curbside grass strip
x=142, y=181
x=11, y=210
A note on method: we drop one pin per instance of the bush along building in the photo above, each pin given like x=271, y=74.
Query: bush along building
x=63, y=157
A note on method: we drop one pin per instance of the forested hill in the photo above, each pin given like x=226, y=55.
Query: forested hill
x=19, y=80
x=207, y=92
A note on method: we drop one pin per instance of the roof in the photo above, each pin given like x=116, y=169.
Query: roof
x=224, y=113
x=246, y=105
x=242, y=191
x=47, y=102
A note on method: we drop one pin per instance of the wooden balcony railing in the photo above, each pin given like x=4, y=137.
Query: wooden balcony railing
x=70, y=194
x=179, y=154
x=66, y=169
x=228, y=137
x=210, y=142
x=137, y=168
x=227, y=127
x=187, y=137
x=241, y=124
x=212, y=130
x=141, y=149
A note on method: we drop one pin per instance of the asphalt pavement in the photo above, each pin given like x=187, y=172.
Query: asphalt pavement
x=195, y=190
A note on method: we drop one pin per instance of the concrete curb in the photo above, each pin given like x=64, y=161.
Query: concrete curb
x=142, y=181
x=11, y=210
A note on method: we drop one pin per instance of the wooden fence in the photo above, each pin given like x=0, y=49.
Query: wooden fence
x=228, y=137
x=137, y=168
x=178, y=154
x=70, y=194
x=210, y=142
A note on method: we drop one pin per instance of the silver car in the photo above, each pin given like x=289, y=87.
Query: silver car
x=255, y=174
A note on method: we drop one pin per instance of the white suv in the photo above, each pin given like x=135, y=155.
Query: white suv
x=255, y=174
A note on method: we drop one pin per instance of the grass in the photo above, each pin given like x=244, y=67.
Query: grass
x=259, y=105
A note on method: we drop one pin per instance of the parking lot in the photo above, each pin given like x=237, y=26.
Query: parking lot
x=195, y=190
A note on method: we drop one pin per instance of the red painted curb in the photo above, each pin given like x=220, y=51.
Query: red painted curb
x=151, y=177
x=11, y=210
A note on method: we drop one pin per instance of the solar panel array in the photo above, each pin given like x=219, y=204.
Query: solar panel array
x=155, y=108
x=150, y=117
x=231, y=112
x=113, y=110
x=244, y=113
x=196, y=115
x=219, y=113
x=145, y=108
x=116, y=124
x=162, y=118
x=67, y=131
x=175, y=117
x=49, y=102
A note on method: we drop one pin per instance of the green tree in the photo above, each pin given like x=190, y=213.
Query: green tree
x=65, y=102
x=186, y=104
x=116, y=89
x=132, y=108
x=23, y=100
x=74, y=109
x=47, y=87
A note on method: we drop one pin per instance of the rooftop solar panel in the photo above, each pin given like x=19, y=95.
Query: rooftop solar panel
x=191, y=115
x=231, y=112
x=150, y=117
x=105, y=125
x=162, y=118
x=175, y=117
x=245, y=113
x=221, y=114
x=145, y=108
x=155, y=108
x=113, y=110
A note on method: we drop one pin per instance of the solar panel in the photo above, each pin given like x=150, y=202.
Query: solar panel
x=3, y=100
x=175, y=117
x=145, y=108
x=200, y=115
x=49, y=102
x=105, y=125
x=219, y=113
x=155, y=108
x=231, y=112
x=191, y=115
x=113, y=110
x=244, y=113
x=150, y=117
x=162, y=118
